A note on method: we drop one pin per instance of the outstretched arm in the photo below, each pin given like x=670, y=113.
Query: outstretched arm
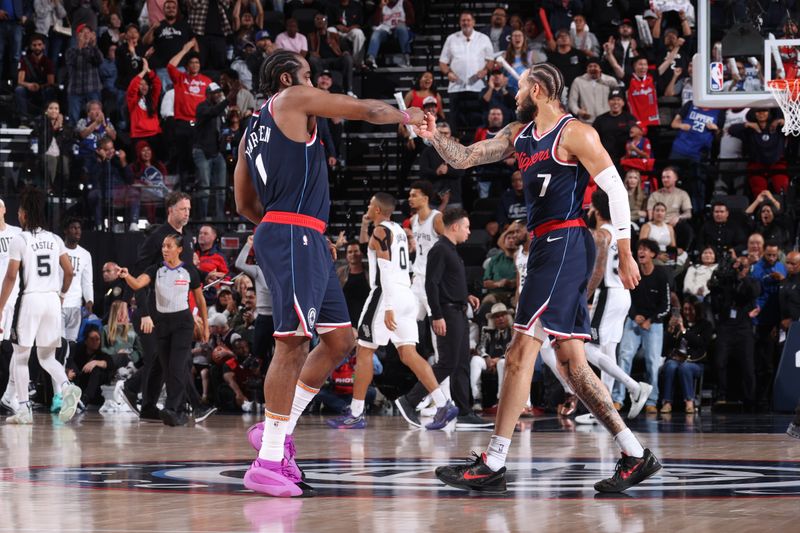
x=480, y=153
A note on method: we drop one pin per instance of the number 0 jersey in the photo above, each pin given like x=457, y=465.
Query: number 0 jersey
x=554, y=189
x=38, y=253
x=398, y=254
x=288, y=175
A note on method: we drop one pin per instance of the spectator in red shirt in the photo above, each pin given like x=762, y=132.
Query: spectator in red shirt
x=190, y=90
x=210, y=260
x=144, y=92
x=35, y=78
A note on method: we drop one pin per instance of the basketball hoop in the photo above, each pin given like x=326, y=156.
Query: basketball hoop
x=787, y=94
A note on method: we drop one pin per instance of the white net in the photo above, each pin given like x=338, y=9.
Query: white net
x=787, y=94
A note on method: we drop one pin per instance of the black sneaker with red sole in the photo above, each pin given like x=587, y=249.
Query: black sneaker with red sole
x=474, y=476
x=630, y=471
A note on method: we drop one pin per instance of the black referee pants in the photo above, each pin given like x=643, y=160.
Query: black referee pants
x=453, y=360
x=174, y=334
x=149, y=378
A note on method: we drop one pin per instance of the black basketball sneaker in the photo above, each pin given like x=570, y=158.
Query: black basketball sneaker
x=630, y=471
x=474, y=475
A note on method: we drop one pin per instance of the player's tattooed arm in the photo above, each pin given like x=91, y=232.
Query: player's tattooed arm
x=381, y=242
x=480, y=153
x=591, y=392
x=601, y=242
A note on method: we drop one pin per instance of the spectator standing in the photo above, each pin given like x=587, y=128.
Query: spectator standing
x=104, y=177
x=733, y=301
x=392, y=18
x=35, y=79
x=619, y=52
x=789, y=294
x=13, y=15
x=769, y=272
x=264, y=324
x=211, y=170
x=769, y=223
x=292, y=39
x=147, y=174
x=466, y=59
x=46, y=14
x=115, y=288
x=615, y=126
x=650, y=305
x=166, y=38
x=448, y=297
x=493, y=177
x=698, y=128
x=84, y=80
x=674, y=53
x=129, y=57
x=498, y=94
x=142, y=96
x=569, y=61
x=56, y=137
x=444, y=177
x=264, y=47
x=560, y=13
x=325, y=52
x=424, y=88
x=190, y=90
x=589, y=93
x=81, y=291
x=585, y=41
x=642, y=96
x=518, y=56
x=721, y=233
x=211, y=27
x=498, y=31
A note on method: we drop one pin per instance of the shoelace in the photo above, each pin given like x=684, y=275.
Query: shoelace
x=473, y=459
x=290, y=446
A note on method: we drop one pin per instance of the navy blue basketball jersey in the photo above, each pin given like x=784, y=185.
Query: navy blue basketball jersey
x=553, y=189
x=288, y=175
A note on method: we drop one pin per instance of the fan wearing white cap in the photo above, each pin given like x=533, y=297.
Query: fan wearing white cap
x=491, y=349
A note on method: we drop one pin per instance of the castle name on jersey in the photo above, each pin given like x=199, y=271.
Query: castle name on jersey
x=525, y=161
x=260, y=135
x=42, y=245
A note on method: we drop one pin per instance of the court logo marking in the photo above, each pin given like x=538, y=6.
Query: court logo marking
x=535, y=478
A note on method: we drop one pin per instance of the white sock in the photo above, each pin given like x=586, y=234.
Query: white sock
x=356, y=407
x=303, y=394
x=628, y=443
x=439, y=399
x=496, y=452
x=274, y=434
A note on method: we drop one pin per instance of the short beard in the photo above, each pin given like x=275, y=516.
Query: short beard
x=527, y=111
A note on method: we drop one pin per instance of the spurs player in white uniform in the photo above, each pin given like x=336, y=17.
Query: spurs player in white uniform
x=389, y=314
x=426, y=225
x=82, y=290
x=610, y=307
x=36, y=254
x=7, y=233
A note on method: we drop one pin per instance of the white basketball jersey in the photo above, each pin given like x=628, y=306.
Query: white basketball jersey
x=398, y=254
x=611, y=277
x=521, y=262
x=426, y=237
x=39, y=255
x=6, y=237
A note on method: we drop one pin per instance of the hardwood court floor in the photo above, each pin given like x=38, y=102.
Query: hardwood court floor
x=722, y=474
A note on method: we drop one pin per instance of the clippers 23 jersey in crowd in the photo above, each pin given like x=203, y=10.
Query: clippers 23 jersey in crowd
x=561, y=255
x=291, y=180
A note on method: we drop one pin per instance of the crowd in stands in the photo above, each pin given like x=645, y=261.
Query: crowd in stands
x=134, y=100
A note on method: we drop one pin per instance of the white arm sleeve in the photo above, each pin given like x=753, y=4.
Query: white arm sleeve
x=387, y=287
x=610, y=181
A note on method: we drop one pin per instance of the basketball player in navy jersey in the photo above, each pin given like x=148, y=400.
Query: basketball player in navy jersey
x=281, y=185
x=556, y=154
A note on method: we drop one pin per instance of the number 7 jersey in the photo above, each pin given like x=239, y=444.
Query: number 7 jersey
x=553, y=188
x=38, y=253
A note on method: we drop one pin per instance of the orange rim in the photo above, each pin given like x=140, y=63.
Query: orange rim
x=791, y=87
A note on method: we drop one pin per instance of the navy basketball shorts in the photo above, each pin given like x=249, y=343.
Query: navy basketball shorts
x=299, y=271
x=553, y=299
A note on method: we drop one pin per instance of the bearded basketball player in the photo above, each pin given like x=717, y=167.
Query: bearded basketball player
x=556, y=155
x=281, y=185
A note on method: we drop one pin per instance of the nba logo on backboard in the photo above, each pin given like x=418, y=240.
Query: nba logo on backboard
x=715, y=76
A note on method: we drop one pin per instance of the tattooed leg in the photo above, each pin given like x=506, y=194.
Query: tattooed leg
x=586, y=384
x=520, y=359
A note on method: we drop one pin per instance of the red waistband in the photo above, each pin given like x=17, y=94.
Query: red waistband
x=294, y=219
x=547, y=227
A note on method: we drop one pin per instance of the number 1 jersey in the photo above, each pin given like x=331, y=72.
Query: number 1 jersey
x=38, y=253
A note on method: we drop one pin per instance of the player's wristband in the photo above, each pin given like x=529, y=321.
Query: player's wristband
x=62, y=295
x=406, y=117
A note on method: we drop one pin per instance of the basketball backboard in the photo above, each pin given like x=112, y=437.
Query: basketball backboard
x=759, y=44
